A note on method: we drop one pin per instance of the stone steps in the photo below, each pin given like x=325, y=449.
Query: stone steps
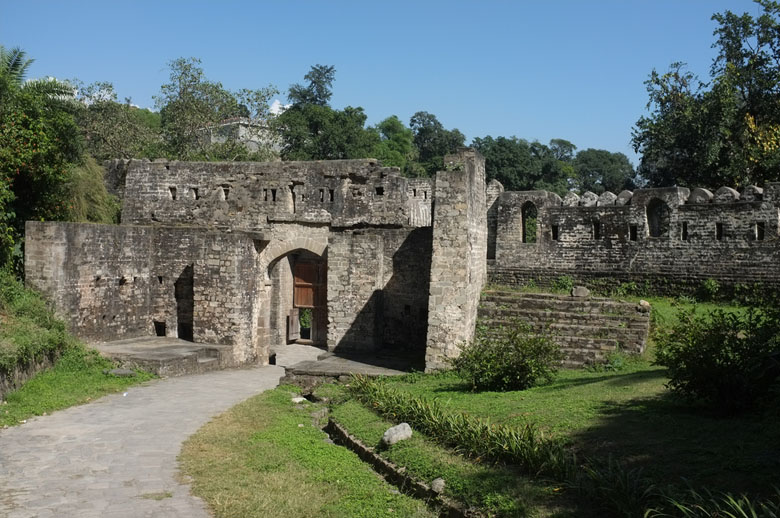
x=586, y=328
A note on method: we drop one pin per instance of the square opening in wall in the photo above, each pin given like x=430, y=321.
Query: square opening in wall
x=759, y=230
x=633, y=232
x=159, y=328
x=718, y=231
x=555, y=232
x=380, y=191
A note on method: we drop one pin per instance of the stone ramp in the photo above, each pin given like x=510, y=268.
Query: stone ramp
x=168, y=356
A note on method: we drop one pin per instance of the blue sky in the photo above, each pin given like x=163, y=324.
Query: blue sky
x=537, y=70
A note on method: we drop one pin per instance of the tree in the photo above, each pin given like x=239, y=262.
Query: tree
x=312, y=130
x=724, y=131
x=190, y=105
x=14, y=64
x=396, y=146
x=523, y=166
x=599, y=170
x=433, y=141
x=112, y=129
x=319, y=89
x=39, y=140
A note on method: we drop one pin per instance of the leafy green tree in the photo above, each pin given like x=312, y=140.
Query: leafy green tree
x=320, y=87
x=599, y=170
x=39, y=139
x=523, y=166
x=724, y=131
x=112, y=129
x=396, y=146
x=312, y=130
x=190, y=105
x=433, y=141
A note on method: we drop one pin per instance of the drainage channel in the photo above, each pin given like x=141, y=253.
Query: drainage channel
x=393, y=474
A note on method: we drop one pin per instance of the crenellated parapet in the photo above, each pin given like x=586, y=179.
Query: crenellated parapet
x=672, y=232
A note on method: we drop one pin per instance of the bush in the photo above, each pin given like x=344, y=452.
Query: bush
x=563, y=283
x=726, y=360
x=508, y=358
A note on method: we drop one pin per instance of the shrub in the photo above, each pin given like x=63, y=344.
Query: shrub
x=563, y=283
x=708, y=289
x=508, y=358
x=726, y=360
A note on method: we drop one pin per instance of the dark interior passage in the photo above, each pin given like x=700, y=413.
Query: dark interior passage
x=183, y=290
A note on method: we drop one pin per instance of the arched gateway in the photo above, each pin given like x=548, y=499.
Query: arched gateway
x=344, y=254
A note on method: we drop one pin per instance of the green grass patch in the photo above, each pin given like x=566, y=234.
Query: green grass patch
x=256, y=461
x=630, y=416
x=76, y=378
x=496, y=490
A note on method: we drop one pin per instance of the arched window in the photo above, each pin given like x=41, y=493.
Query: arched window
x=658, y=217
x=529, y=222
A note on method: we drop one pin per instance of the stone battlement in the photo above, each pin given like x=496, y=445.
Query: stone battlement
x=254, y=195
x=675, y=233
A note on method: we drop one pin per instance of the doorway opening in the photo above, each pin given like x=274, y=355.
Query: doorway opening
x=185, y=303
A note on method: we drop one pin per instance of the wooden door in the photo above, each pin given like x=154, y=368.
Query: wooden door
x=310, y=285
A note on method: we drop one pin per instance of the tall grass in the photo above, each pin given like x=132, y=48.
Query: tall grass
x=525, y=446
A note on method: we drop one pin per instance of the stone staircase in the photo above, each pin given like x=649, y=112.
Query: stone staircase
x=586, y=328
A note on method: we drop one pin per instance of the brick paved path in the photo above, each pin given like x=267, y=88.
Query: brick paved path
x=116, y=457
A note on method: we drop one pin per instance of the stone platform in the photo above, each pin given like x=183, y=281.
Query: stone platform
x=167, y=356
x=305, y=364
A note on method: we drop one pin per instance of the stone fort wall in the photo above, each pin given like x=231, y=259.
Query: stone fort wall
x=222, y=235
x=672, y=238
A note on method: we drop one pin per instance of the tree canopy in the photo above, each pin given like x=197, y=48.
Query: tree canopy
x=41, y=149
x=725, y=131
x=190, y=105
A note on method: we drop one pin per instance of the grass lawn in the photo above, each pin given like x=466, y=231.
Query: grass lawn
x=631, y=416
x=496, y=490
x=265, y=458
x=75, y=379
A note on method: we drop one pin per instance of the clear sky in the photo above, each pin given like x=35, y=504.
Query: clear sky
x=537, y=70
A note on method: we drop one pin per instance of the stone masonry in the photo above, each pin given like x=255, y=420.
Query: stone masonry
x=231, y=253
x=671, y=238
x=208, y=252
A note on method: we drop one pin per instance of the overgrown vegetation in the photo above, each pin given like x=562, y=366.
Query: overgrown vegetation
x=31, y=334
x=524, y=446
x=494, y=489
x=78, y=377
x=508, y=358
x=725, y=360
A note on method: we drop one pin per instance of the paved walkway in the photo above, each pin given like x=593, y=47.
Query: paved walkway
x=116, y=457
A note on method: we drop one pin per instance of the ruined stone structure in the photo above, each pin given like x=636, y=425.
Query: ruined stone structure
x=670, y=238
x=232, y=253
x=351, y=256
